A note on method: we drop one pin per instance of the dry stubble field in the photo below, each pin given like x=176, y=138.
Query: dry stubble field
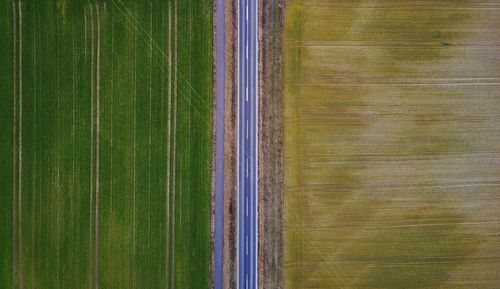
x=392, y=144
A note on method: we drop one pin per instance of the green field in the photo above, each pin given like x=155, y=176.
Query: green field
x=392, y=144
x=105, y=144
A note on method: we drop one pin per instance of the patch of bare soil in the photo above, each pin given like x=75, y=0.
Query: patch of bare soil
x=270, y=145
x=230, y=194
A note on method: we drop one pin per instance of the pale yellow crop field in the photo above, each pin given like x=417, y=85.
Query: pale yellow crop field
x=392, y=144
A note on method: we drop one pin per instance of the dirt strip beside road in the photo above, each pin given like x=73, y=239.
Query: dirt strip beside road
x=270, y=145
x=230, y=201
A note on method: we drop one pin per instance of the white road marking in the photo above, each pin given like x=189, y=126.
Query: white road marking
x=238, y=174
x=256, y=175
x=246, y=35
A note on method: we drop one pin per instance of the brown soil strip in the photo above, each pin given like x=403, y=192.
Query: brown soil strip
x=270, y=145
x=230, y=119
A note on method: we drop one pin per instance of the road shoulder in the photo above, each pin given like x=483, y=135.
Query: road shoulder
x=270, y=145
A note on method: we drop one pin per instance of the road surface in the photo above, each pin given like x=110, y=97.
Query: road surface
x=247, y=144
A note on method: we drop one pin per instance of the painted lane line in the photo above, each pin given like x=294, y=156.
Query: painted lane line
x=247, y=235
x=256, y=217
x=238, y=148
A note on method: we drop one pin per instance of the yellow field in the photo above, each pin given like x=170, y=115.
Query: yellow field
x=392, y=144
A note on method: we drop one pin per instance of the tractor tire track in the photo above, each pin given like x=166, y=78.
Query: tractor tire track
x=35, y=161
x=174, y=148
x=58, y=150
x=20, y=148
x=134, y=153
x=14, y=149
x=98, y=126
x=169, y=139
x=91, y=148
x=149, y=136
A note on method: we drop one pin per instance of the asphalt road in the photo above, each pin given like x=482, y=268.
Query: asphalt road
x=247, y=144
